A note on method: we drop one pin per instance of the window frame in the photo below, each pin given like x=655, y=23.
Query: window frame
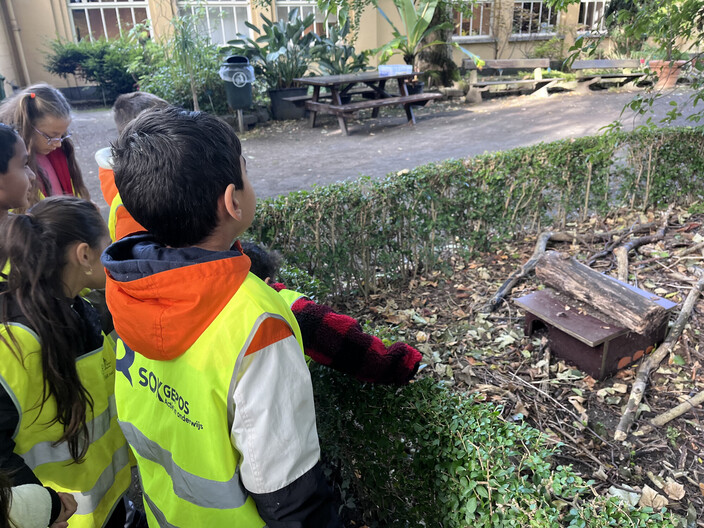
x=478, y=37
x=517, y=36
x=185, y=6
x=101, y=5
x=601, y=21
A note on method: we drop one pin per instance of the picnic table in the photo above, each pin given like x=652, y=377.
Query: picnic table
x=341, y=87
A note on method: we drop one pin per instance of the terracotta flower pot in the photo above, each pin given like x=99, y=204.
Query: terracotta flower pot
x=667, y=72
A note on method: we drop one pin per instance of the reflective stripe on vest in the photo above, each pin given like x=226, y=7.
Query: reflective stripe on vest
x=45, y=452
x=209, y=493
x=176, y=416
x=104, y=476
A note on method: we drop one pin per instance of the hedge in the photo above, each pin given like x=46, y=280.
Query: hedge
x=357, y=236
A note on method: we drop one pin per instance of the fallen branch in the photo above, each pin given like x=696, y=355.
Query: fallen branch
x=636, y=228
x=653, y=361
x=675, y=412
x=654, y=262
x=621, y=252
x=529, y=266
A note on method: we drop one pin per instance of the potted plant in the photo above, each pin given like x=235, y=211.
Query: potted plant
x=333, y=56
x=280, y=54
x=668, y=23
x=409, y=37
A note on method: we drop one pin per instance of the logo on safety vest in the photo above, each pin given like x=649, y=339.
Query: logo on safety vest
x=167, y=395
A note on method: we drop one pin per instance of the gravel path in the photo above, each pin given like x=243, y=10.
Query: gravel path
x=287, y=156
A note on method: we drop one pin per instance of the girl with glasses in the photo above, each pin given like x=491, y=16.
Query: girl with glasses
x=42, y=116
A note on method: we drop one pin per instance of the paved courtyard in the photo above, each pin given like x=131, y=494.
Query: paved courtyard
x=287, y=156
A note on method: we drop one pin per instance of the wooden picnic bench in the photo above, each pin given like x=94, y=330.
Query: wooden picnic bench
x=537, y=86
x=624, y=78
x=375, y=82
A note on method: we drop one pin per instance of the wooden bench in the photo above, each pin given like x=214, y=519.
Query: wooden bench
x=537, y=86
x=624, y=78
x=347, y=110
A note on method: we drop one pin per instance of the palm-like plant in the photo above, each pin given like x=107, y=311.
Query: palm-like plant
x=334, y=56
x=281, y=52
x=410, y=35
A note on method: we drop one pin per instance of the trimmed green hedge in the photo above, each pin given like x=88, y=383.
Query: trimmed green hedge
x=423, y=455
x=359, y=235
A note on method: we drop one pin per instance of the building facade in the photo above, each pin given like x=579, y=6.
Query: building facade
x=491, y=29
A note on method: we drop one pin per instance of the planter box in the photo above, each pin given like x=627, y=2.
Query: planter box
x=282, y=110
x=667, y=72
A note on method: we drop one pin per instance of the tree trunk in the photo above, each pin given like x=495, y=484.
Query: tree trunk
x=436, y=61
x=611, y=297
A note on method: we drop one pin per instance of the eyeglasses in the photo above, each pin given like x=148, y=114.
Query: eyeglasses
x=52, y=140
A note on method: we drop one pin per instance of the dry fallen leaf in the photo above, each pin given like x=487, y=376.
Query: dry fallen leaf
x=673, y=489
x=651, y=499
x=421, y=337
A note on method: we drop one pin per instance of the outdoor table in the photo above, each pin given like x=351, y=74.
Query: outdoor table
x=341, y=86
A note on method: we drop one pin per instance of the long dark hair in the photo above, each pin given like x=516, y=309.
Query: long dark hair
x=23, y=111
x=36, y=245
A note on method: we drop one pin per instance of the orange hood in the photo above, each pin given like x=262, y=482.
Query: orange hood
x=162, y=299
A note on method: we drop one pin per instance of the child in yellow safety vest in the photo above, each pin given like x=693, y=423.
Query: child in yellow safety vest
x=42, y=117
x=126, y=108
x=16, y=176
x=212, y=391
x=58, y=422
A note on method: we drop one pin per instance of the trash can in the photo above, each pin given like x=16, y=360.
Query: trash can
x=238, y=76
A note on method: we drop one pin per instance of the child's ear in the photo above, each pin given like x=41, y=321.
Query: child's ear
x=81, y=254
x=232, y=204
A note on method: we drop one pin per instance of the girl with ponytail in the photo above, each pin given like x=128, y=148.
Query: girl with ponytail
x=58, y=424
x=42, y=116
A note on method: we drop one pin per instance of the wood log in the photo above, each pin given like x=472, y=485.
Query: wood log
x=652, y=361
x=607, y=295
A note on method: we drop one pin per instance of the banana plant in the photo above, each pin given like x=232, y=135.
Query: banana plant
x=409, y=36
x=281, y=52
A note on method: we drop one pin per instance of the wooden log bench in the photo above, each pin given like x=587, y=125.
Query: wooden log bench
x=593, y=321
x=626, y=77
x=348, y=110
x=537, y=86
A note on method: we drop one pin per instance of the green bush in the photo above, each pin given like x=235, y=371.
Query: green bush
x=358, y=236
x=186, y=62
x=422, y=455
x=104, y=62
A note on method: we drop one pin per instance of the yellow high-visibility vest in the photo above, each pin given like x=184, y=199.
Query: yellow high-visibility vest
x=176, y=416
x=103, y=477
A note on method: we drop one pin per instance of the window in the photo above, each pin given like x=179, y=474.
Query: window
x=475, y=24
x=305, y=8
x=222, y=19
x=591, y=15
x=109, y=19
x=531, y=18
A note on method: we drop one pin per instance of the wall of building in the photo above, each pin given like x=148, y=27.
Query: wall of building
x=40, y=21
x=8, y=66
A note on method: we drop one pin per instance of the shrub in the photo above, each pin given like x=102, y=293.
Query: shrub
x=104, y=62
x=184, y=64
x=358, y=236
x=425, y=456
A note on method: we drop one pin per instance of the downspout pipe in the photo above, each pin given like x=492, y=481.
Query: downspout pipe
x=24, y=71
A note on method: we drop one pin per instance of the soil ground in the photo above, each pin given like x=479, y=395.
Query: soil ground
x=442, y=314
x=285, y=156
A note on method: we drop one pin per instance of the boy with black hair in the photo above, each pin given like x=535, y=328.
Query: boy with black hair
x=212, y=389
x=126, y=108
